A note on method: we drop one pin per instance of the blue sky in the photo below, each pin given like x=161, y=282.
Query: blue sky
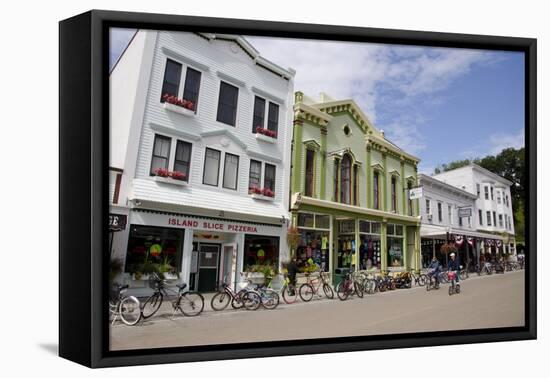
x=436, y=103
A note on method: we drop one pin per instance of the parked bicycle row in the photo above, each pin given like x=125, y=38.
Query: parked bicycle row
x=254, y=296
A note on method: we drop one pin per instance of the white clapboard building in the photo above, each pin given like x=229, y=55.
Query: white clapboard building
x=494, y=217
x=200, y=139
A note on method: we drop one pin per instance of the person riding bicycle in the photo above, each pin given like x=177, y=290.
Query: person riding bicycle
x=433, y=270
x=292, y=270
x=454, y=267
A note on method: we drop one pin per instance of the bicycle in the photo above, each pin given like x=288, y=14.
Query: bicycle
x=125, y=307
x=287, y=290
x=487, y=269
x=238, y=300
x=192, y=301
x=432, y=283
x=268, y=298
x=348, y=286
x=370, y=283
x=419, y=279
x=312, y=286
x=454, y=288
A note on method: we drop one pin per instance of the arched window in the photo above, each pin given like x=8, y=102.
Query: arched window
x=345, y=177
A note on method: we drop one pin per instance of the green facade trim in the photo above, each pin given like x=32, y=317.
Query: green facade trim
x=384, y=182
x=384, y=247
x=369, y=189
x=297, y=159
x=322, y=191
x=403, y=191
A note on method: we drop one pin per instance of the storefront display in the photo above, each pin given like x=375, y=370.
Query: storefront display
x=151, y=248
x=370, y=247
x=314, y=239
x=395, y=246
x=346, y=247
x=260, y=250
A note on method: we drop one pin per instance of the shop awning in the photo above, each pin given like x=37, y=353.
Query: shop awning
x=428, y=230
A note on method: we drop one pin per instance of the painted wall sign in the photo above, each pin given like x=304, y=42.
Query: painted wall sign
x=204, y=224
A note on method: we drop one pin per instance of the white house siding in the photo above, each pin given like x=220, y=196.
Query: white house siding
x=217, y=61
x=467, y=178
x=217, y=57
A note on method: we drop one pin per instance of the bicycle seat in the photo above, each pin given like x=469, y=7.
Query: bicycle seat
x=182, y=286
x=123, y=287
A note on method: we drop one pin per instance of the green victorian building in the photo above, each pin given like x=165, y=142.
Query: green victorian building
x=349, y=187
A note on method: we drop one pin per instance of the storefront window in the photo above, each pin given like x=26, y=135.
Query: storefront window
x=260, y=251
x=151, y=248
x=346, y=243
x=314, y=241
x=395, y=245
x=369, y=247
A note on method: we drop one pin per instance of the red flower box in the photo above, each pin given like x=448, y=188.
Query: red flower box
x=266, y=132
x=264, y=192
x=171, y=99
x=176, y=175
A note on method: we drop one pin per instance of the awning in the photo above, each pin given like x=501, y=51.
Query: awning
x=428, y=230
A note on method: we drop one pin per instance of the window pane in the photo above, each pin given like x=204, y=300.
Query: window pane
x=192, y=85
x=158, y=163
x=364, y=226
x=230, y=171
x=305, y=220
x=376, y=228
x=254, y=179
x=261, y=250
x=322, y=221
x=211, y=167
x=391, y=229
x=227, y=104
x=183, y=158
x=269, y=181
x=376, y=197
x=172, y=77
x=273, y=117
x=345, y=178
x=309, y=172
x=161, y=152
x=259, y=113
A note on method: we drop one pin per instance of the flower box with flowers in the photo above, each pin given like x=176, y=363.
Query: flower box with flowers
x=266, y=135
x=178, y=105
x=265, y=194
x=170, y=177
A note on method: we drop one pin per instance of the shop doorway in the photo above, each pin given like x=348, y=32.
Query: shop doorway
x=209, y=257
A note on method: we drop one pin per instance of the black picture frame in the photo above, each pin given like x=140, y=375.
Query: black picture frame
x=83, y=211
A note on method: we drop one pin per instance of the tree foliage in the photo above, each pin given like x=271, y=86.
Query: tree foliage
x=510, y=164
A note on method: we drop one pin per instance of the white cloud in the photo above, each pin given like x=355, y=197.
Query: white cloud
x=404, y=133
x=363, y=71
x=501, y=141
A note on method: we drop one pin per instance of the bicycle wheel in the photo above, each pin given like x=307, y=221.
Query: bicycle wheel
x=289, y=294
x=151, y=305
x=251, y=300
x=428, y=286
x=358, y=289
x=341, y=291
x=382, y=286
x=457, y=289
x=329, y=293
x=422, y=280
x=129, y=310
x=220, y=301
x=192, y=304
x=306, y=292
x=237, y=302
x=369, y=286
x=270, y=299
x=451, y=290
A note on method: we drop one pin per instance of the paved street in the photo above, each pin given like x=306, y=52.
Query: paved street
x=487, y=301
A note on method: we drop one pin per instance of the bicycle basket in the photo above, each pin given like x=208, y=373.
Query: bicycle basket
x=451, y=275
x=155, y=282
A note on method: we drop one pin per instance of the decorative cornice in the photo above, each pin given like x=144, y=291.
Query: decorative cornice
x=312, y=144
x=231, y=79
x=267, y=95
x=226, y=133
x=174, y=131
x=185, y=59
